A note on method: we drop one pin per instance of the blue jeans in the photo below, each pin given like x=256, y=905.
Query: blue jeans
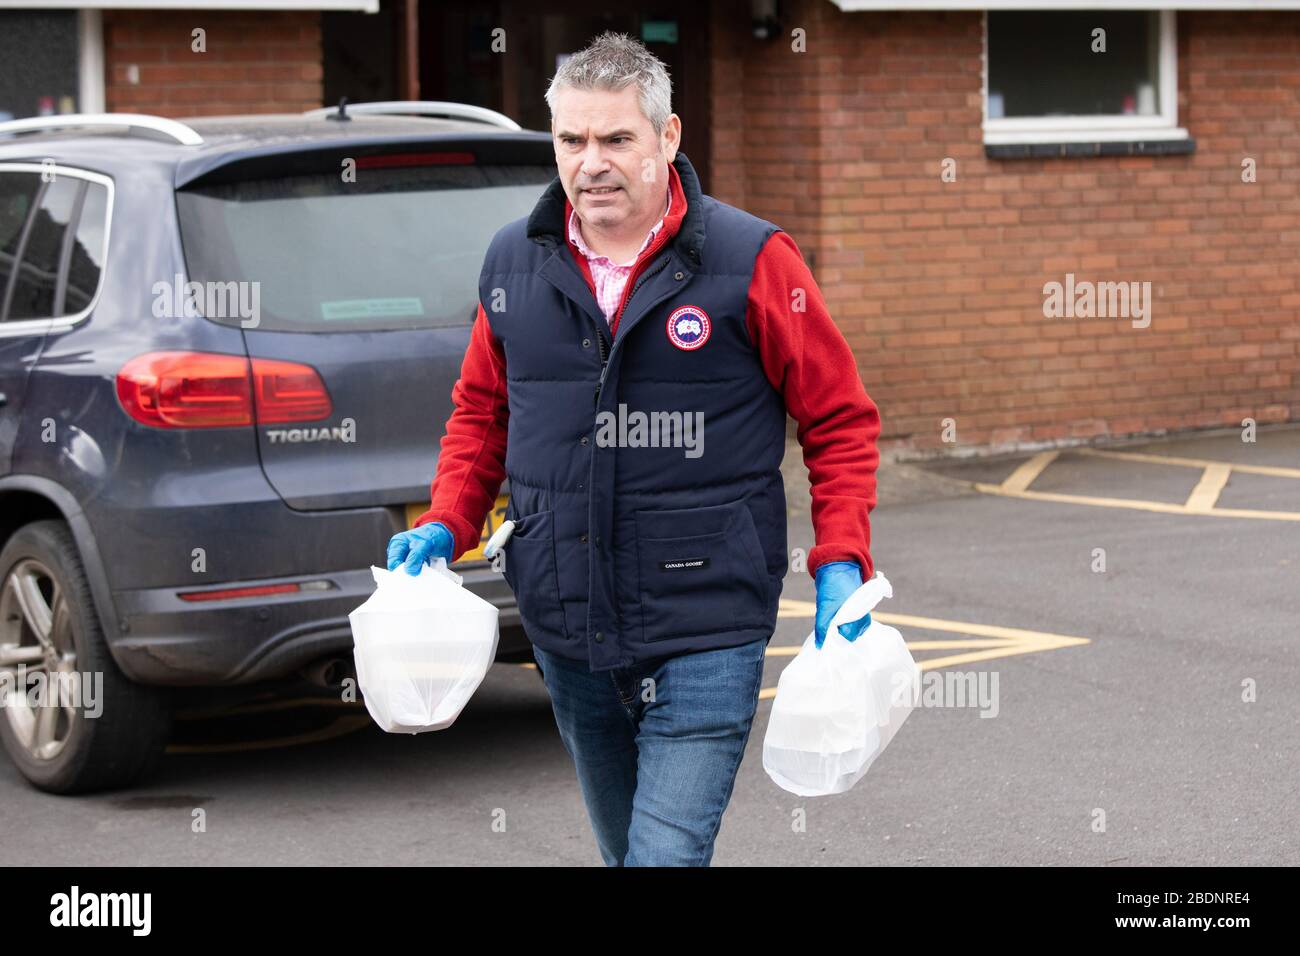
x=657, y=746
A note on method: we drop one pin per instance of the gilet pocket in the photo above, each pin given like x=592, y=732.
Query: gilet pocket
x=531, y=571
x=700, y=571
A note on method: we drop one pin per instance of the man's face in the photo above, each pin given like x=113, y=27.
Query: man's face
x=613, y=167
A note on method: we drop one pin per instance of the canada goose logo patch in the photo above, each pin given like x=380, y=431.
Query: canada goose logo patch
x=683, y=564
x=688, y=327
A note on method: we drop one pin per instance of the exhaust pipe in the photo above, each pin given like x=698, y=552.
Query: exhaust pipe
x=329, y=672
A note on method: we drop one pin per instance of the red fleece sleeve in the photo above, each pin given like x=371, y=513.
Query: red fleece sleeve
x=807, y=360
x=472, y=456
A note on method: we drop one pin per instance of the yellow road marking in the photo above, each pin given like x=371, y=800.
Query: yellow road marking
x=792, y=608
x=1274, y=470
x=1208, y=489
x=1201, y=501
x=790, y=650
x=1138, y=504
x=1024, y=476
x=996, y=641
x=789, y=607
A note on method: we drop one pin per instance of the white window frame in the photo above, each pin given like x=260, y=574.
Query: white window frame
x=62, y=323
x=1100, y=128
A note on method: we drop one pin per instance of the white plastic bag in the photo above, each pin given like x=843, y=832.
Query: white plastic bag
x=837, y=708
x=422, y=645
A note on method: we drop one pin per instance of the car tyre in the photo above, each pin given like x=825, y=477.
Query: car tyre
x=48, y=623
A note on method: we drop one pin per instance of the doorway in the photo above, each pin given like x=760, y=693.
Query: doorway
x=457, y=62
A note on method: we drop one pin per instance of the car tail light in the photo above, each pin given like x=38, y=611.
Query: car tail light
x=288, y=392
x=213, y=390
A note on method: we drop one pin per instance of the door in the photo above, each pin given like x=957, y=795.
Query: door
x=457, y=61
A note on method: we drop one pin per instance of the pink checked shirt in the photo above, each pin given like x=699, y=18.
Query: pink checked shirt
x=610, y=277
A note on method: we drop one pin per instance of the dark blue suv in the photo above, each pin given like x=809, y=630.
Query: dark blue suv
x=227, y=350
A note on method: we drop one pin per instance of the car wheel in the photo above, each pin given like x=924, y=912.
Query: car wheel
x=69, y=719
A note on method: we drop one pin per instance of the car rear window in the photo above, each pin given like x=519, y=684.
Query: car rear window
x=399, y=248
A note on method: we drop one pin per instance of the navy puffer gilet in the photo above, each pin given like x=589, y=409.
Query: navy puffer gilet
x=625, y=551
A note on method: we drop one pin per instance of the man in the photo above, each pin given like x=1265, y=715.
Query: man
x=648, y=574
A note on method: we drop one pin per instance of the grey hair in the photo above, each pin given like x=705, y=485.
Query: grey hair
x=612, y=62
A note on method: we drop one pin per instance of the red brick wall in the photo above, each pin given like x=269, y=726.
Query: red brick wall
x=255, y=62
x=939, y=286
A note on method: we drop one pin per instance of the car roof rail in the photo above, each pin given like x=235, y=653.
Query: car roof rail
x=141, y=124
x=417, y=108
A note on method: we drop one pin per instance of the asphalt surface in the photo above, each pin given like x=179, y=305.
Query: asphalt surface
x=1131, y=746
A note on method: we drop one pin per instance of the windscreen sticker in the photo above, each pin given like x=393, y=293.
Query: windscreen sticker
x=370, y=308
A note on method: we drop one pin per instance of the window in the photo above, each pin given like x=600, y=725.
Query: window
x=1080, y=76
x=52, y=243
x=35, y=283
x=400, y=248
x=17, y=196
x=85, y=254
x=40, y=51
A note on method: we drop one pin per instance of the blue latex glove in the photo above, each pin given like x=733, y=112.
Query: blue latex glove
x=836, y=580
x=420, y=546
